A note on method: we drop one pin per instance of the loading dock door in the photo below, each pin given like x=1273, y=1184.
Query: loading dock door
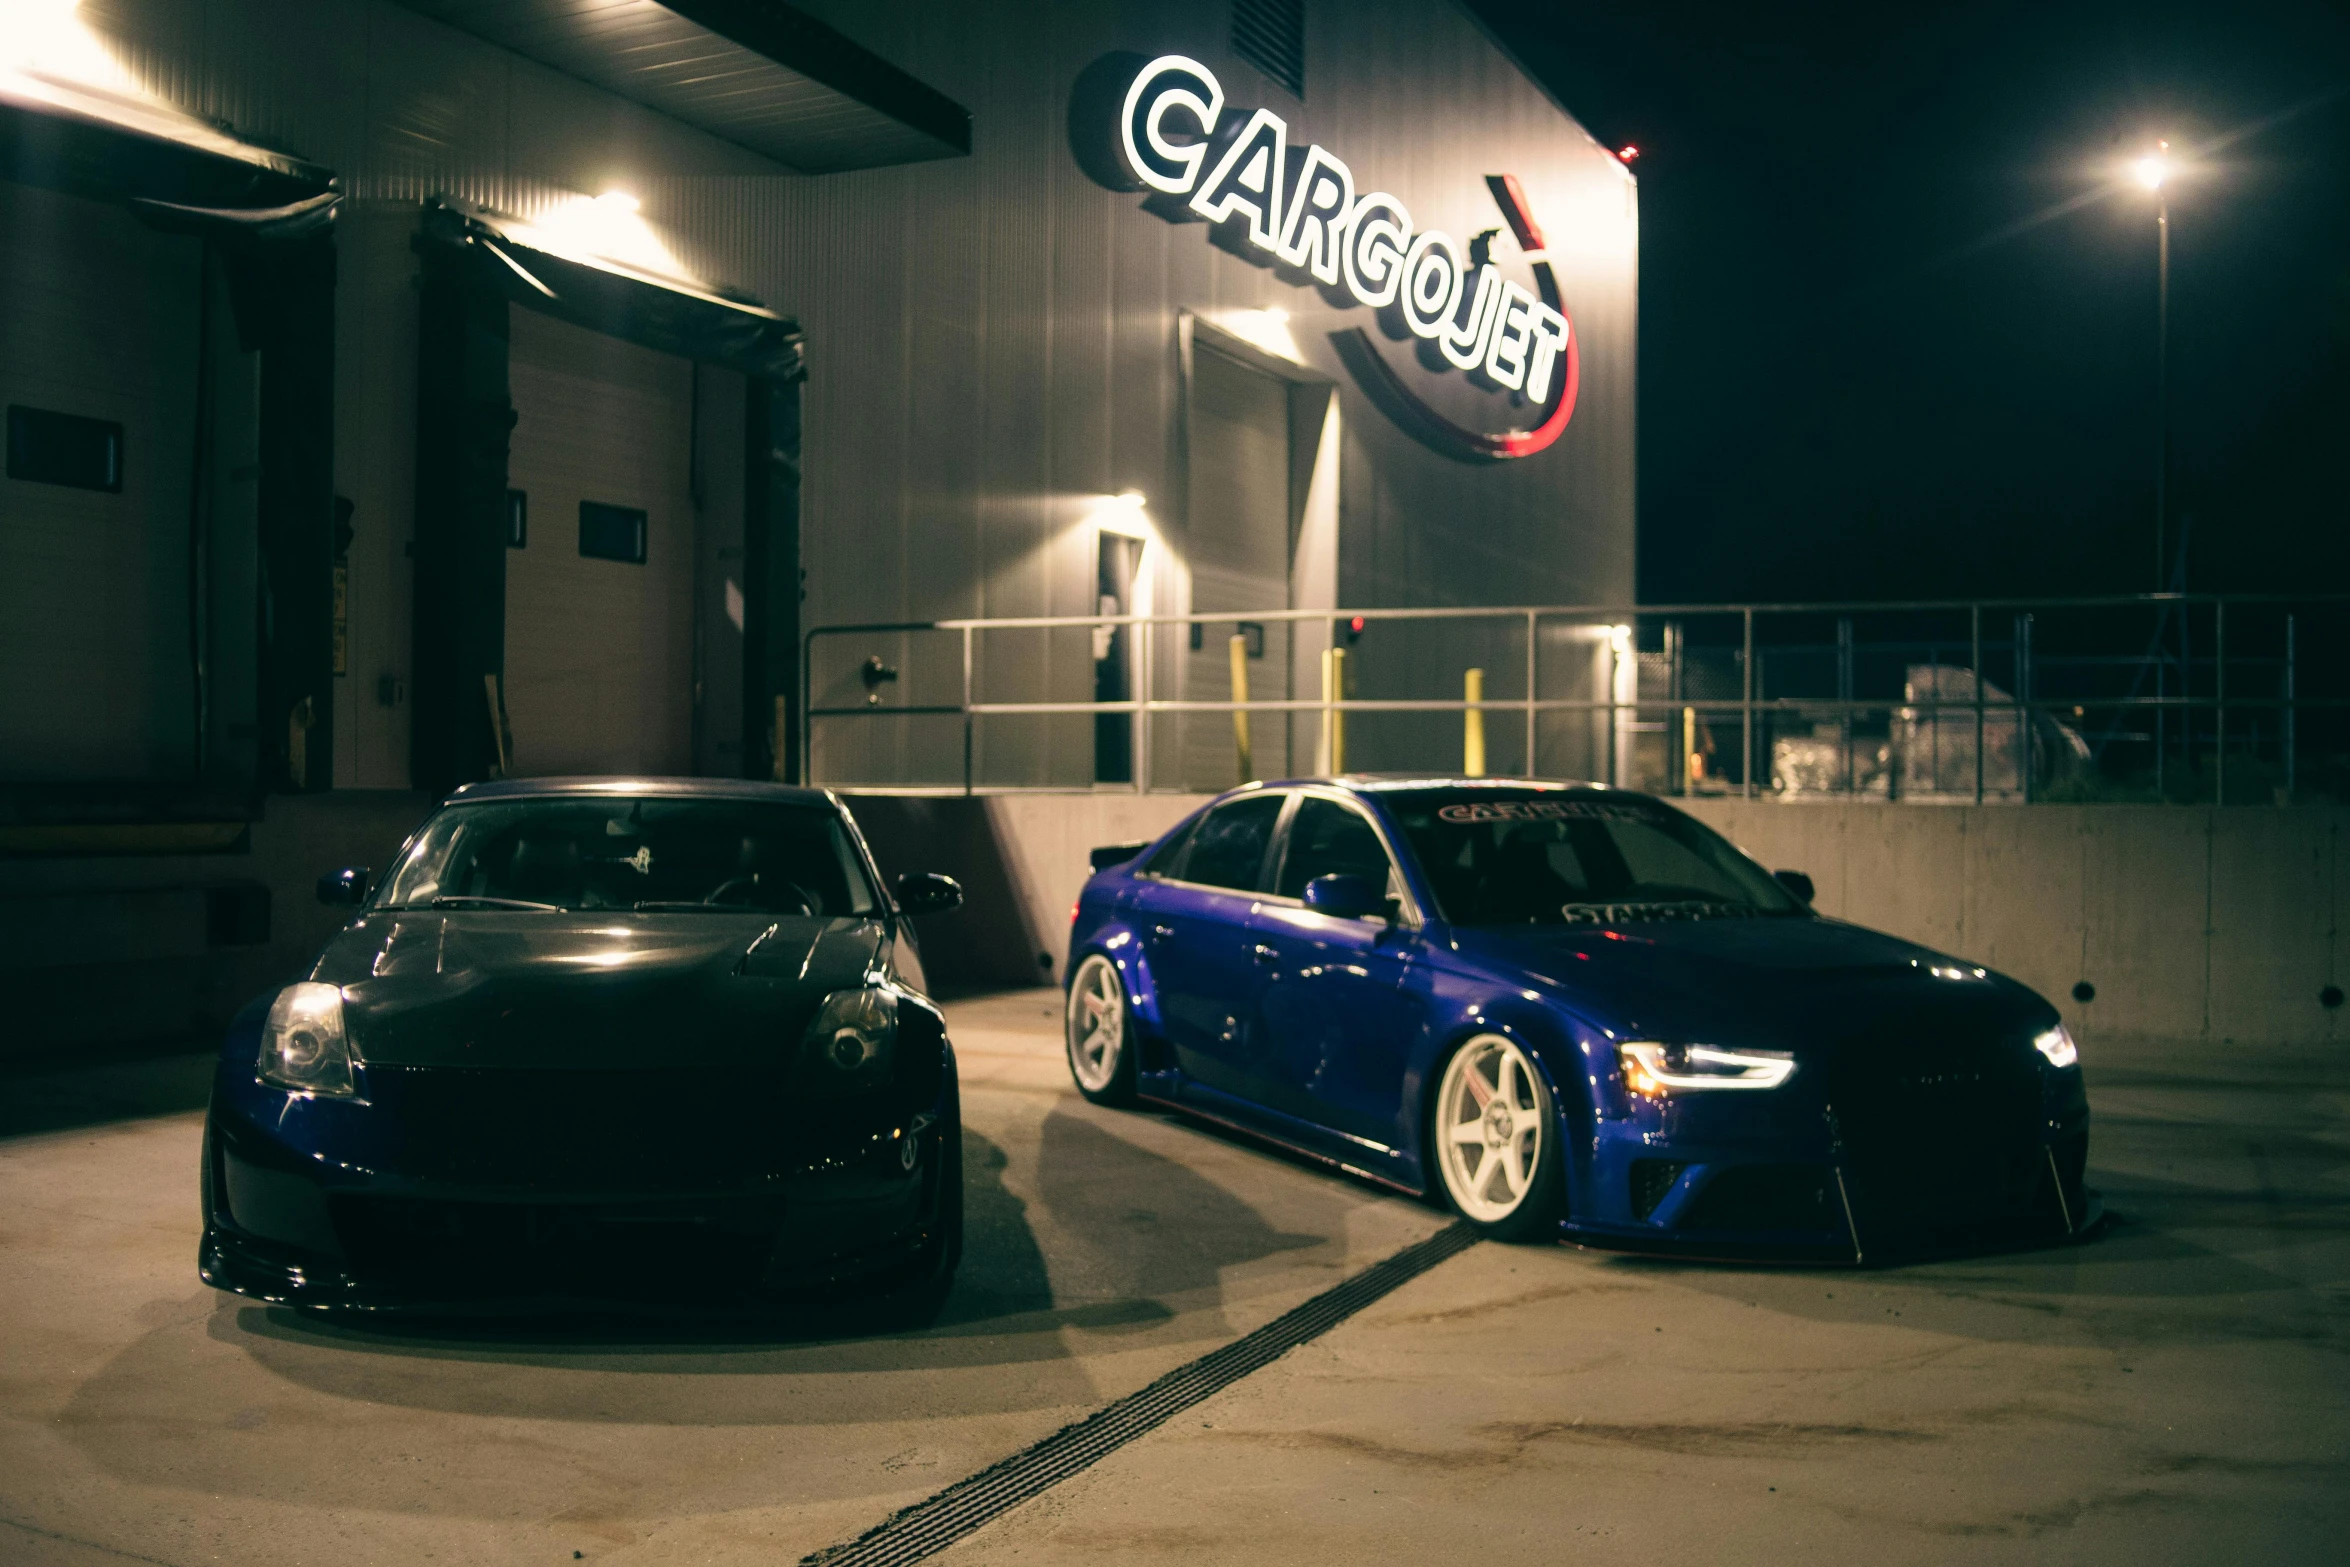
x=99, y=344
x=1239, y=551
x=599, y=645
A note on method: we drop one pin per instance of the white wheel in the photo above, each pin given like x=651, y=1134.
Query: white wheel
x=1098, y=1055
x=1494, y=1133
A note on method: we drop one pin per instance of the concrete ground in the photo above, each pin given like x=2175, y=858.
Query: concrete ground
x=2178, y=1390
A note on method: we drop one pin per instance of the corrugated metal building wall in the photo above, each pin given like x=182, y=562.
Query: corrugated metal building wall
x=992, y=341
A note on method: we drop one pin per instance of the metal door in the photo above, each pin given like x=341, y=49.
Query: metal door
x=1238, y=548
x=599, y=639
x=99, y=348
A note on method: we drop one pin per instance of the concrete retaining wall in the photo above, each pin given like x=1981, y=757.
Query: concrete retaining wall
x=1021, y=859
x=2187, y=922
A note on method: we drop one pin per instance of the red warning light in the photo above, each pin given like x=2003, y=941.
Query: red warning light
x=1355, y=625
x=1627, y=152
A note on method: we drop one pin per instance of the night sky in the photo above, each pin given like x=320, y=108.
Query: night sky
x=1865, y=372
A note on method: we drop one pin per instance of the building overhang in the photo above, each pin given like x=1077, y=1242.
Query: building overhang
x=96, y=140
x=675, y=314
x=758, y=73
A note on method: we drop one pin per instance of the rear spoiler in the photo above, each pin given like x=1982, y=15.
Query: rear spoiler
x=1110, y=854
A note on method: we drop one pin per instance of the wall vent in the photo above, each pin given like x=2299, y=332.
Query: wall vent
x=1271, y=35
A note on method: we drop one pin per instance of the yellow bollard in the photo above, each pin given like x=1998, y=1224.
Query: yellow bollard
x=1248, y=766
x=1473, y=726
x=501, y=731
x=1333, y=717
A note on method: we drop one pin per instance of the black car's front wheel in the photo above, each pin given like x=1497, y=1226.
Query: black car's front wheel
x=1100, y=1033
x=1496, y=1133
x=914, y=1299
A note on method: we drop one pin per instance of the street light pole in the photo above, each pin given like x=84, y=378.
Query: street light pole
x=2153, y=172
x=2161, y=382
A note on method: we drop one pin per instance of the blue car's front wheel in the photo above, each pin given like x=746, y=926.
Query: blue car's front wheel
x=1497, y=1140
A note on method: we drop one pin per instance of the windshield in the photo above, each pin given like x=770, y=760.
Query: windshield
x=644, y=853
x=1526, y=857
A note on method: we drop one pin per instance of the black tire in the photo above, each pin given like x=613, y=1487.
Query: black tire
x=1518, y=1200
x=915, y=1299
x=1097, y=1030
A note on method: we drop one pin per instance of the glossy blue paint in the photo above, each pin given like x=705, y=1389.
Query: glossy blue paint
x=1913, y=1070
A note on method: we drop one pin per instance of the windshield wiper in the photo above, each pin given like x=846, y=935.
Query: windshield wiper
x=685, y=905
x=478, y=902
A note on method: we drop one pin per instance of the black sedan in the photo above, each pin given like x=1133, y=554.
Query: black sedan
x=597, y=1042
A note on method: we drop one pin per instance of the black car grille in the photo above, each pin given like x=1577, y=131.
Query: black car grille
x=577, y=1131
x=1938, y=1134
x=609, y=1251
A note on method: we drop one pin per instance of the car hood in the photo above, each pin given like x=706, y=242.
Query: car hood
x=1774, y=983
x=511, y=989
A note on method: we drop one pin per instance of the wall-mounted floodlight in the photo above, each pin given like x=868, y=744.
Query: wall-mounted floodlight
x=45, y=38
x=608, y=227
x=1263, y=329
x=1123, y=513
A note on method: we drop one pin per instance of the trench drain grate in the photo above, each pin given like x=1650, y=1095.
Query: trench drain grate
x=930, y=1526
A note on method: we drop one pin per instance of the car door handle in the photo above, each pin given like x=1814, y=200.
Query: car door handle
x=1265, y=954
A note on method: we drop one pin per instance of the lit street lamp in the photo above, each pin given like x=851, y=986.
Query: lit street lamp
x=2154, y=171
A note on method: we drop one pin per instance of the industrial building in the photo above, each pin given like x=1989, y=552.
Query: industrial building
x=407, y=393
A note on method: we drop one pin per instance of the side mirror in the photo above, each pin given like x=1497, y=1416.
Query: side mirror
x=1343, y=896
x=344, y=888
x=926, y=893
x=1795, y=882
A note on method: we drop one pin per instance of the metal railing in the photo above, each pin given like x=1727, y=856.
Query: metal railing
x=2131, y=661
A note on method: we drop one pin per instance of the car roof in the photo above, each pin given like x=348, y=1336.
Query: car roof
x=1388, y=783
x=628, y=788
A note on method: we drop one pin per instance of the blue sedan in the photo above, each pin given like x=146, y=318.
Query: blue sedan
x=1572, y=1011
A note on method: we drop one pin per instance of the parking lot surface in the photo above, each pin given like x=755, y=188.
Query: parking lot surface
x=2176, y=1390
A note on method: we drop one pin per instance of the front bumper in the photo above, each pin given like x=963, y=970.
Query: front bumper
x=319, y=1203
x=1842, y=1172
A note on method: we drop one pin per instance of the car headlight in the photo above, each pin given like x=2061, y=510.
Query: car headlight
x=851, y=1043
x=2057, y=1045
x=303, y=1046
x=1653, y=1068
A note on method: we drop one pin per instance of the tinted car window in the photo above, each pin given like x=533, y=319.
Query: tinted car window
x=1228, y=845
x=1326, y=839
x=1495, y=857
x=619, y=853
x=1170, y=854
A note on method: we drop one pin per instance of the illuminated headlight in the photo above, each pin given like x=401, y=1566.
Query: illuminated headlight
x=2057, y=1045
x=851, y=1042
x=1655, y=1069
x=303, y=1046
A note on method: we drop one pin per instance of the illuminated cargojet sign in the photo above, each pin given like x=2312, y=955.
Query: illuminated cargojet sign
x=1304, y=212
